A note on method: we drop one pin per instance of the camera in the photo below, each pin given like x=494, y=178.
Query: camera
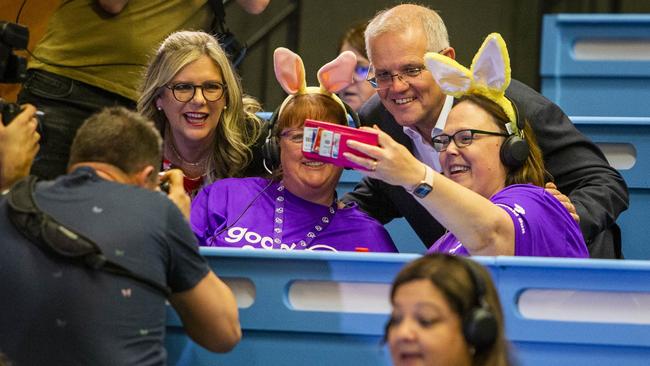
x=9, y=111
x=13, y=68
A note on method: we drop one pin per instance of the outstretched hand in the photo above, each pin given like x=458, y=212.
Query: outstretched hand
x=390, y=161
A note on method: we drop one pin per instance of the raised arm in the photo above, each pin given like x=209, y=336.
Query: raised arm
x=490, y=230
x=209, y=314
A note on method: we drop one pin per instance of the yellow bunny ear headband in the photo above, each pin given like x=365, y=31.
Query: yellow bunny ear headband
x=333, y=76
x=488, y=76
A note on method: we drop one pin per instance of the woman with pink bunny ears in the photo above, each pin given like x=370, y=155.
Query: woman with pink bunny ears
x=490, y=195
x=296, y=209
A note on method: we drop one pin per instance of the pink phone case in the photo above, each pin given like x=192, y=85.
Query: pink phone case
x=326, y=142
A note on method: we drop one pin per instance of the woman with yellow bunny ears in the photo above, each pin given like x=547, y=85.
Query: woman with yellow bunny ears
x=490, y=195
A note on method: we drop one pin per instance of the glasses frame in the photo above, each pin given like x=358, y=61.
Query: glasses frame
x=172, y=87
x=461, y=145
x=288, y=131
x=400, y=75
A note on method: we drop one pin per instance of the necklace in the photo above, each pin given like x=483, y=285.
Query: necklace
x=278, y=222
x=199, y=163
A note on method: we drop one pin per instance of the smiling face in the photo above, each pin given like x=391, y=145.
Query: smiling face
x=358, y=92
x=193, y=123
x=477, y=166
x=311, y=180
x=424, y=330
x=418, y=102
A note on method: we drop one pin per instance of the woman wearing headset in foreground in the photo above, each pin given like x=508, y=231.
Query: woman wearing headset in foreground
x=445, y=312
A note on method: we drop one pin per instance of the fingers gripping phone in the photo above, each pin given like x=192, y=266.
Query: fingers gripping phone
x=326, y=142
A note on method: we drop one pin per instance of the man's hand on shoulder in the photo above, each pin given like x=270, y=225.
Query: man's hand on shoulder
x=564, y=200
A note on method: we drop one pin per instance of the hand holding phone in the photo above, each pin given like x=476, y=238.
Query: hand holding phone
x=326, y=142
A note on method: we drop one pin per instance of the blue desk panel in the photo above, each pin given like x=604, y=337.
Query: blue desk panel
x=277, y=334
x=612, y=79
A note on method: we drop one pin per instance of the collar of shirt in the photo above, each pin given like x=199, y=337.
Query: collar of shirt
x=423, y=150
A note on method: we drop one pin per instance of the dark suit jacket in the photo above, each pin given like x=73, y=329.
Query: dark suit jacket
x=579, y=168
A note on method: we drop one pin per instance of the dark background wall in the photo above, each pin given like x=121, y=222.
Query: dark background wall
x=312, y=28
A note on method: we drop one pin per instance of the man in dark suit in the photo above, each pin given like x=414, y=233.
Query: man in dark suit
x=411, y=108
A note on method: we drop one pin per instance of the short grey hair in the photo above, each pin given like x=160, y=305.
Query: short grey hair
x=405, y=16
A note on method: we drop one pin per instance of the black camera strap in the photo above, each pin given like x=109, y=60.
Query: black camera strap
x=233, y=48
x=54, y=238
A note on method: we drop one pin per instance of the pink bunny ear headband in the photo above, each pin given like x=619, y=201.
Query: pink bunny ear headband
x=333, y=76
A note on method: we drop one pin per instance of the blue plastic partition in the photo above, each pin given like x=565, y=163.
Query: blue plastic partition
x=597, y=64
x=597, y=68
x=626, y=143
x=603, y=317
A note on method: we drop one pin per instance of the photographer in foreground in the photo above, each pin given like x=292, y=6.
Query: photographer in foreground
x=18, y=146
x=106, y=306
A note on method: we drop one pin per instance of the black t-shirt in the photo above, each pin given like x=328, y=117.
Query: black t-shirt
x=57, y=313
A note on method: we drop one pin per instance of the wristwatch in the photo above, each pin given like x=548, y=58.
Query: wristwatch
x=425, y=186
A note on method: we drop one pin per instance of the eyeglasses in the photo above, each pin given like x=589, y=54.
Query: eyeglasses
x=361, y=72
x=211, y=90
x=293, y=135
x=461, y=138
x=384, y=80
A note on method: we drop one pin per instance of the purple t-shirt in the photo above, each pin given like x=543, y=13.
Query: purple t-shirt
x=543, y=227
x=220, y=205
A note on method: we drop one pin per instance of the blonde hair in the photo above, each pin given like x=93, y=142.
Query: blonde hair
x=406, y=16
x=238, y=128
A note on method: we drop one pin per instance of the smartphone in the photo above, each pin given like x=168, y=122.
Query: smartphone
x=326, y=142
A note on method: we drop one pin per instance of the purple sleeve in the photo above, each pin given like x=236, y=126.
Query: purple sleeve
x=207, y=214
x=543, y=227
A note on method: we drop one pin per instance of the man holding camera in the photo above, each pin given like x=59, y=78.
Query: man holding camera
x=64, y=308
x=18, y=146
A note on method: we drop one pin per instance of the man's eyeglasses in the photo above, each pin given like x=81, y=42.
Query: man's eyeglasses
x=293, y=135
x=184, y=92
x=384, y=80
x=461, y=138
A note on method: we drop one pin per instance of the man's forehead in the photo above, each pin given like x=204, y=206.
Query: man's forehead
x=396, y=50
x=400, y=63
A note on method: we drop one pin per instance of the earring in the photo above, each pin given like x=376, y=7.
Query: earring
x=225, y=107
x=159, y=108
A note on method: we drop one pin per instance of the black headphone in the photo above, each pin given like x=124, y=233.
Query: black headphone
x=271, y=147
x=479, y=324
x=515, y=150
